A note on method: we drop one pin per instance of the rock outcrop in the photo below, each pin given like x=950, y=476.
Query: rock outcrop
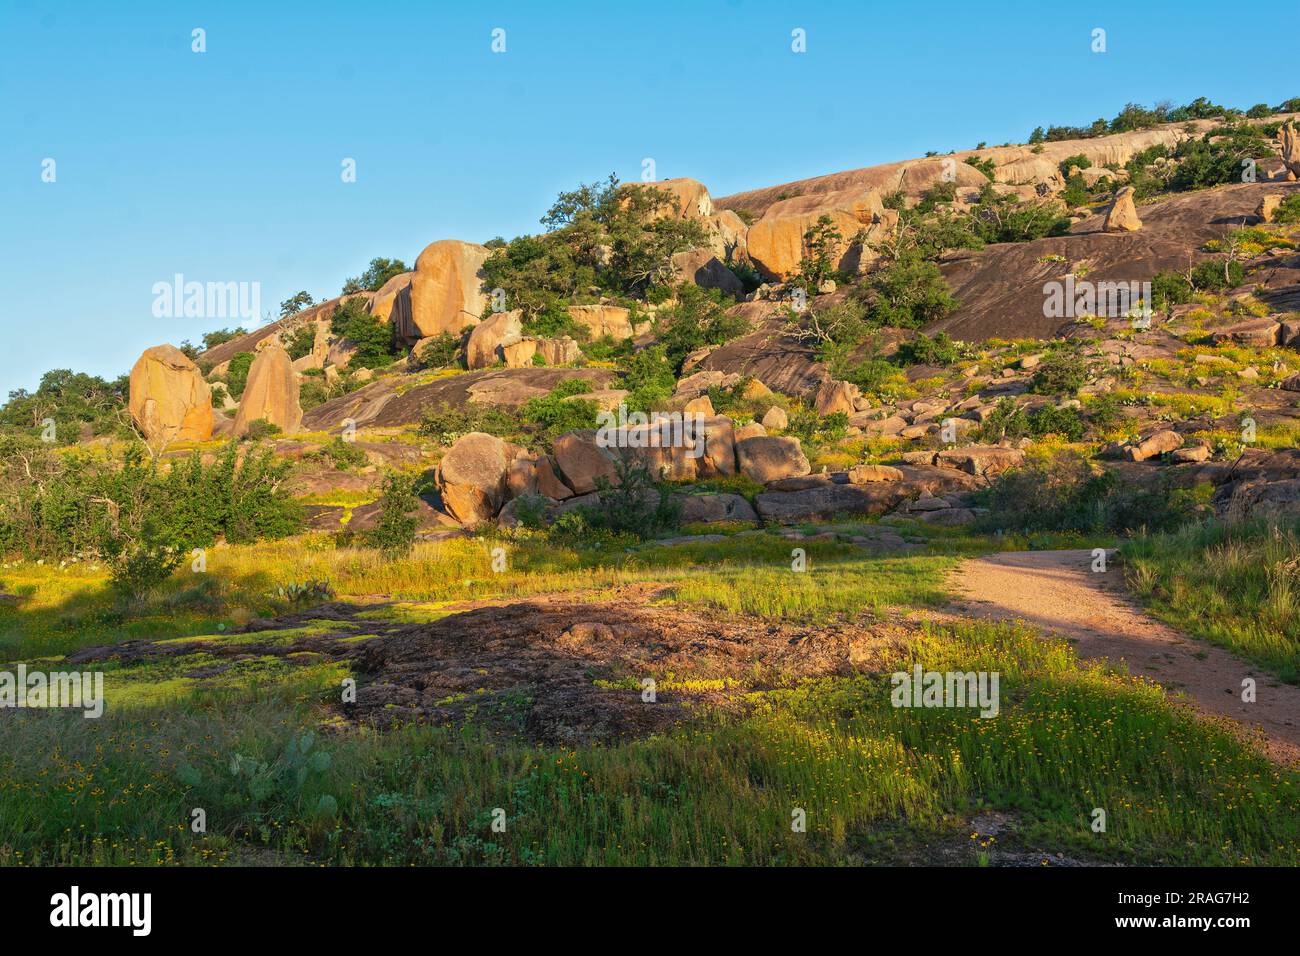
x=1122, y=215
x=271, y=393
x=602, y=320
x=689, y=199
x=472, y=476
x=496, y=332
x=169, y=399
x=1290, y=139
x=776, y=242
x=767, y=458
x=446, y=290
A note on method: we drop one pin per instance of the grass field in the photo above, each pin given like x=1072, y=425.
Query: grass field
x=1237, y=586
x=281, y=776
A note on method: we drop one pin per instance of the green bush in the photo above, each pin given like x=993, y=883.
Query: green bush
x=300, y=341
x=438, y=352
x=237, y=373
x=923, y=350
x=908, y=293
x=1055, y=420
x=1288, y=211
x=371, y=336
x=552, y=415
x=1063, y=371
x=445, y=423
x=344, y=454
x=260, y=429
x=377, y=273
x=698, y=319
x=1065, y=493
x=55, y=506
x=635, y=506
x=74, y=400
x=394, y=529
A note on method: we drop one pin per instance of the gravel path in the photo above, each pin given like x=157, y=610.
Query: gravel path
x=1058, y=592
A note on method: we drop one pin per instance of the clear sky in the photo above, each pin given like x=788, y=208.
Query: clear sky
x=225, y=166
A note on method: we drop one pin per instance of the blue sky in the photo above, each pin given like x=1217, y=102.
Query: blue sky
x=225, y=166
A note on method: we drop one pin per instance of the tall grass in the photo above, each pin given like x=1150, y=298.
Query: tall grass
x=1236, y=585
x=1070, y=738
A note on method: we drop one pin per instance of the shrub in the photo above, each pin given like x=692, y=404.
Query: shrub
x=1065, y=493
x=650, y=379
x=1080, y=160
x=1007, y=422
x=221, y=336
x=1169, y=289
x=300, y=341
x=908, y=293
x=698, y=319
x=552, y=415
x=923, y=350
x=74, y=400
x=1288, y=211
x=377, y=273
x=394, y=529
x=259, y=429
x=445, y=423
x=1062, y=371
x=371, y=336
x=1066, y=422
x=1218, y=276
x=634, y=506
x=438, y=352
x=237, y=373
x=344, y=454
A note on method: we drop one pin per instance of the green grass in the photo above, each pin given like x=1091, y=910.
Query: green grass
x=1237, y=586
x=716, y=790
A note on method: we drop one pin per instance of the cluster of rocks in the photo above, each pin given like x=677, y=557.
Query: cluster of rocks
x=482, y=477
x=170, y=401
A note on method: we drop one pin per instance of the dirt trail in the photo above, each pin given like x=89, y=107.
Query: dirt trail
x=1058, y=592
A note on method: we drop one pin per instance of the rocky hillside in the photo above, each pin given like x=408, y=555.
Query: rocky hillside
x=878, y=341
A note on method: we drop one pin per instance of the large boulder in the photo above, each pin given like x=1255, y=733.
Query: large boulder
x=383, y=302
x=271, y=393
x=169, y=399
x=581, y=461
x=446, y=290
x=706, y=509
x=690, y=449
x=982, y=461
x=1261, y=333
x=706, y=270
x=1268, y=207
x=535, y=476
x=1290, y=140
x=498, y=331
x=835, y=396
x=525, y=352
x=472, y=476
x=1154, y=445
x=1122, y=215
x=776, y=242
x=826, y=499
x=688, y=198
x=767, y=458
x=727, y=235
x=602, y=320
